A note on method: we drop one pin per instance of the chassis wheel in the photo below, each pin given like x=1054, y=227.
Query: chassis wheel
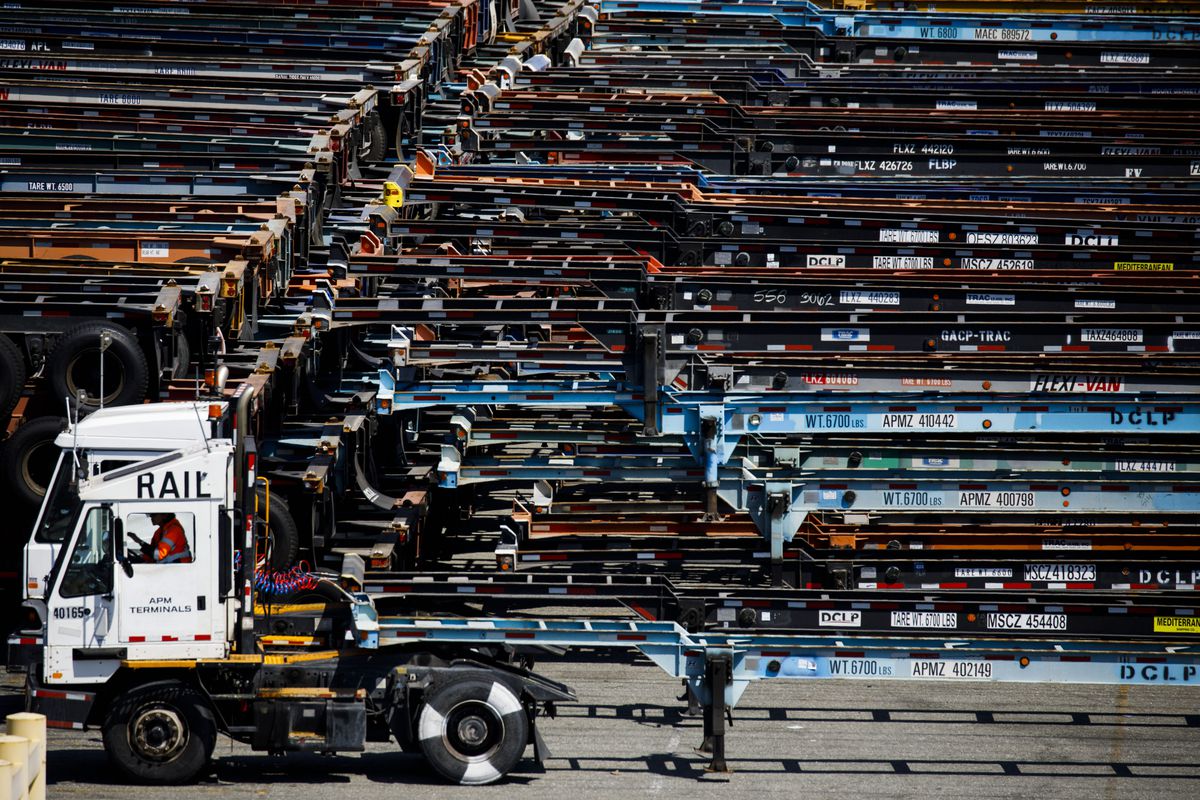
x=75, y=366
x=161, y=733
x=280, y=547
x=27, y=459
x=473, y=731
x=12, y=375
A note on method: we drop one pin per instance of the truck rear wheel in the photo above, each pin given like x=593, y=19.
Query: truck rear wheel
x=160, y=733
x=473, y=731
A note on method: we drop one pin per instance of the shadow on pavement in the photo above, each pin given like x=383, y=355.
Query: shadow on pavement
x=671, y=715
x=90, y=766
x=692, y=768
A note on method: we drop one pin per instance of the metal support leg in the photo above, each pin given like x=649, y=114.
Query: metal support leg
x=717, y=672
x=776, y=555
x=711, y=514
x=651, y=369
x=694, y=707
x=776, y=572
x=777, y=508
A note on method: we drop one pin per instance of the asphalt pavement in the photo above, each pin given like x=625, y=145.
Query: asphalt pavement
x=627, y=736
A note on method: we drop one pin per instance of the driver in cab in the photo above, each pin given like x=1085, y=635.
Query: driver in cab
x=169, y=544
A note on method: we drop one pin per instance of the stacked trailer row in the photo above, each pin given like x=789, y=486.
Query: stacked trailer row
x=127, y=650
x=582, y=358
x=545, y=331
x=169, y=179
x=295, y=116
x=211, y=151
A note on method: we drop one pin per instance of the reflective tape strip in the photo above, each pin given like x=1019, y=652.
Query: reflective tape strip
x=51, y=694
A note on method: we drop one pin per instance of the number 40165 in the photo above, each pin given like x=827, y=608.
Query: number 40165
x=71, y=612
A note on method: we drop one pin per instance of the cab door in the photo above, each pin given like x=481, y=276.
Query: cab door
x=79, y=644
x=164, y=605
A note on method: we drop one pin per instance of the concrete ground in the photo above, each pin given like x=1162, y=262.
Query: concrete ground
x=829, y=739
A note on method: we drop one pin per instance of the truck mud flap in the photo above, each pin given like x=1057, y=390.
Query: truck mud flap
x=63, y=708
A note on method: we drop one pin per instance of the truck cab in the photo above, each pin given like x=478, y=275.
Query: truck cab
x=142, y=575
x=107, y=440
x=117, y=469
x=118, y=591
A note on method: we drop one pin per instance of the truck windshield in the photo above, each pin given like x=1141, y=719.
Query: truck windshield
x=61, y=508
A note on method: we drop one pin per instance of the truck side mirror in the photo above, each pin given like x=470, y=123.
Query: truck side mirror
x=119, y=547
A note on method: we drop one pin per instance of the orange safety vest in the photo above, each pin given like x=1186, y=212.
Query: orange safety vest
x=169, y=545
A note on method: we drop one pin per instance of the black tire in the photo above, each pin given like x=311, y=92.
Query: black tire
x=161, y=733
x=378, y=133
x=473, y=731
x=283, y=535
x=183, y=357
x=74, y=365
x=404, y=147
x=12, y=375
x=28, y=457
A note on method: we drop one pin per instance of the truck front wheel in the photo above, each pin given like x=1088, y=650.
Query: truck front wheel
x=160, y=733
x=473, y=731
